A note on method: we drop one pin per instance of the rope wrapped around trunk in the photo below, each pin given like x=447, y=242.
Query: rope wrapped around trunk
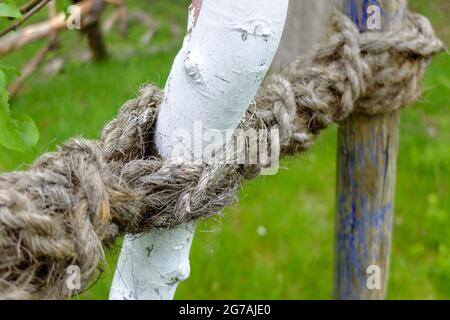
x=73, y=202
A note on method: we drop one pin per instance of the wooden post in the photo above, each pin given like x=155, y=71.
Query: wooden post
x=367, y=156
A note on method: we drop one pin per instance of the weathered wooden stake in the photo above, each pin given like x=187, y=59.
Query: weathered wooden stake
x=367, y=156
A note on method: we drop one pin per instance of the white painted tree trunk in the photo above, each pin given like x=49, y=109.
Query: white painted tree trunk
x=306, y=26
x=225, y=56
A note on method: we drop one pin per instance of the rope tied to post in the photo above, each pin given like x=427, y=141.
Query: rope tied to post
x=73, y=202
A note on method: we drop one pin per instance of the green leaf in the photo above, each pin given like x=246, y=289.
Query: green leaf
x=19, y=134
x=27, y=130
x=9, y=9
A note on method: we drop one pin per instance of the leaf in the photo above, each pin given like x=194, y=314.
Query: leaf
x=9, y=10
x=27, y=130
x=19, y=134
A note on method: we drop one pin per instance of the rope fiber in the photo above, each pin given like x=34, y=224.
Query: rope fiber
x=74, y=202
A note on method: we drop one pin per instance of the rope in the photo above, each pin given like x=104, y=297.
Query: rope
x=72, y=203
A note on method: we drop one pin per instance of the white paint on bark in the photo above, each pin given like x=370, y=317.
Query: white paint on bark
x=151, y=265
x=219, y=69
x=224, y=59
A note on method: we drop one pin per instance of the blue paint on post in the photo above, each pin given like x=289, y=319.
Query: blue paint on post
x=357, y=11
x=366, y=179
x=392, y=11
x=351, y=9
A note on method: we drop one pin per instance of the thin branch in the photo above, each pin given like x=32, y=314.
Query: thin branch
x=52, y=13
x=27, y=16
x=28, y=6
x=27, y=34
x=32, y=32
x=40, y=56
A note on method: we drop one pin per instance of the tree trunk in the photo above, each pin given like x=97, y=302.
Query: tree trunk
x=225, y=56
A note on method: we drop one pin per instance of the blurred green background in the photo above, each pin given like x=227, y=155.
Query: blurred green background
x=277, y=243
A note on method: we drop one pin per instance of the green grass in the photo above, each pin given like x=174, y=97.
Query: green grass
x=294, y=259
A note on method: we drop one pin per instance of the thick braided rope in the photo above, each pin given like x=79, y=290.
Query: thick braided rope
x=72, y=203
